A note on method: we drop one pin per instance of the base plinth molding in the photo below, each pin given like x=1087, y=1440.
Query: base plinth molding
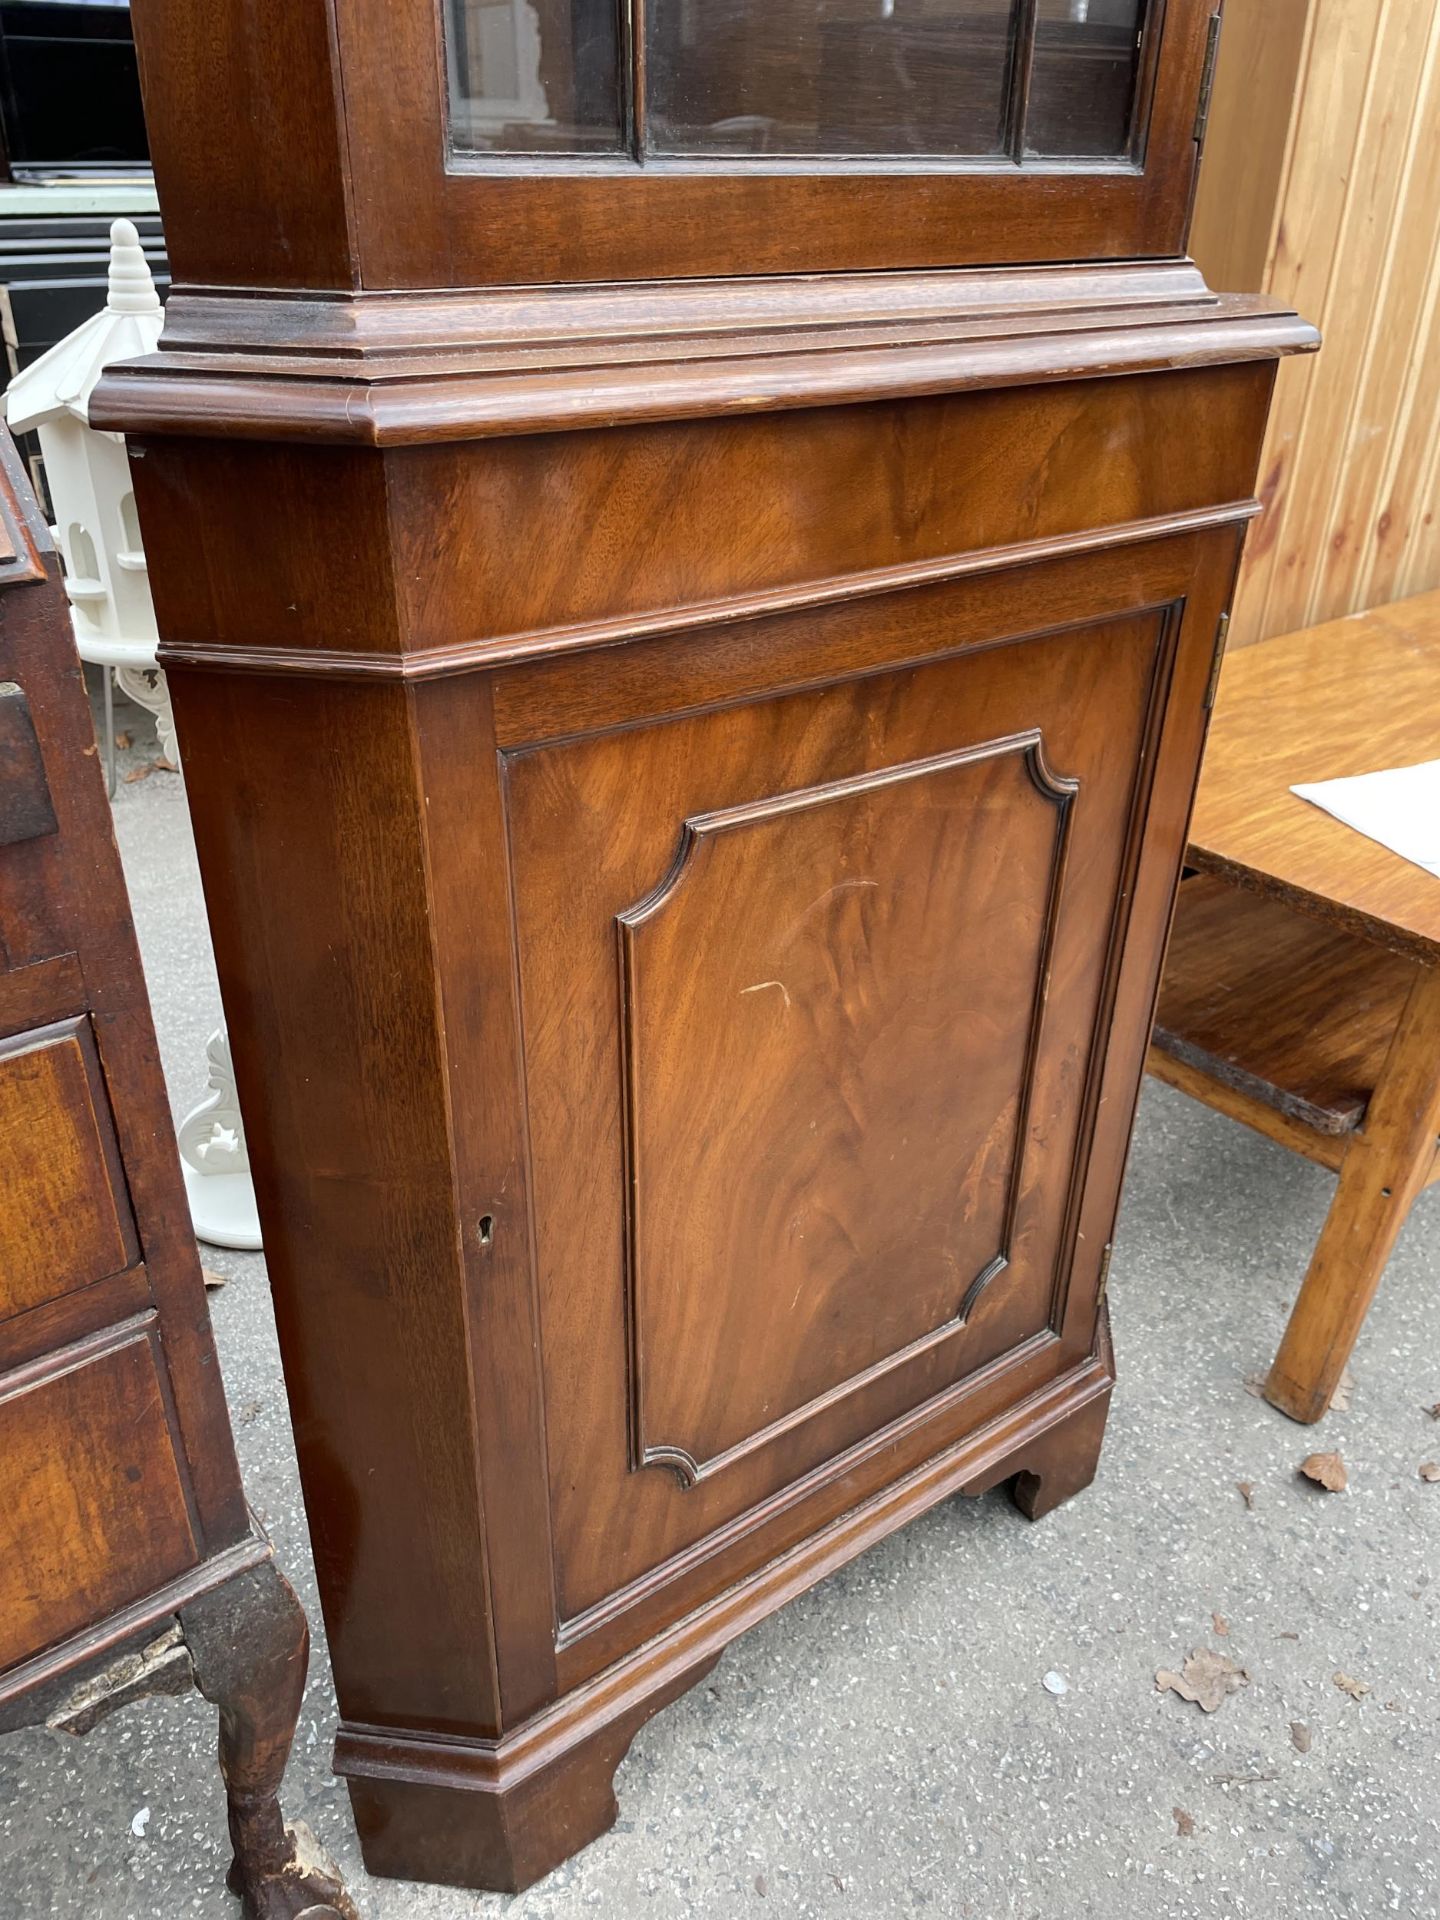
x=499, y=1814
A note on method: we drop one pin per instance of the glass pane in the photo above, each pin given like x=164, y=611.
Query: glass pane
x=1082, y=84
x=827, y=77
x=534, y=76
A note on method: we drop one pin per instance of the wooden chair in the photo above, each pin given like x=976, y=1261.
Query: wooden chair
x=1302, y=991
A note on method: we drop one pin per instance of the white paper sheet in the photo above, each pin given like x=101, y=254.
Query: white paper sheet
x=1400, y=809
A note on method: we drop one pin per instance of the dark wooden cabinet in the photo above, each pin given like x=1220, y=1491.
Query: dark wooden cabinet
x=129, y=1563
x=695, y=603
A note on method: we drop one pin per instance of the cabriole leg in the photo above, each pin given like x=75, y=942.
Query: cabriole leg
x=250, y=1646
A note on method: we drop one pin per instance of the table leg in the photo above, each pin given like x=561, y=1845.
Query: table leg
x=109, y=680
x=1384, y=1169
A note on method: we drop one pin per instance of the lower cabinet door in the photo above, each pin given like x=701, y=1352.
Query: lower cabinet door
x=814, y=987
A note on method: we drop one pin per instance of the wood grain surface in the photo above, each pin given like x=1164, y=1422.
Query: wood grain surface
x=1278, y=1007
x=395, y=209
x=1386, y=1165
x=124, y=1530
x=653, y=557
x=67, y=1217
x=94, y=1512
x=1319, y=188
x=889, y=919
x=771, y=1328
x=1353, y=696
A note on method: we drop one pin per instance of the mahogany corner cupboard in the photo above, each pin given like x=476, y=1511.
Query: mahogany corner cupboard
x=691, y=542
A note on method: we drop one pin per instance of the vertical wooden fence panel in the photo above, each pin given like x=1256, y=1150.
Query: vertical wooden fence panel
x=1320, y=186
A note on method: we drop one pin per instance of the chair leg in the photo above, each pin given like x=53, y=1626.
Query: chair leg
x=1384, y=1169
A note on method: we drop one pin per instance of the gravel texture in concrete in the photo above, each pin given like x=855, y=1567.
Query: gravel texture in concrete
x=890, y=1744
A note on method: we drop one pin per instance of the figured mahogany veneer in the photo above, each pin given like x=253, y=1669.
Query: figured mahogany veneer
x=487, y=833
x=96, y=1509
x=690, y=740
x=65, y=1190
x=827, y=1071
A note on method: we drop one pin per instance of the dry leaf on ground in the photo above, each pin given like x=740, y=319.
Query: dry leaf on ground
x=147, y=767
x=1206, y=1678
x=1326, y=1470
x=123, y=740
x=1434, y=1412
x=1184, y=1822
x=1299, y=1736
x=1220, y=1624
x=1246, y=1491
x=214, y=1281
x=1357, y=1689
x=1430, y=1470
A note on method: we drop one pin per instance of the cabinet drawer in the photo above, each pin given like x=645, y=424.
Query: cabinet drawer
x=92, y=1510
x=66, y=1220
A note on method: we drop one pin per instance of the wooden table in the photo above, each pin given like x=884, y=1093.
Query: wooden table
x=1302, y=994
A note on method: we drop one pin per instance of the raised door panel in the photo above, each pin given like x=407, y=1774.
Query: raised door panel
x=813, y=990
x=811, y=1203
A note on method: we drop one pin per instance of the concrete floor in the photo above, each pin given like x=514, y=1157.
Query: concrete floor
x=887, y=1745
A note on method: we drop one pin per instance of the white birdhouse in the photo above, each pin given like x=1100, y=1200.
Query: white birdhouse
x=88, y=471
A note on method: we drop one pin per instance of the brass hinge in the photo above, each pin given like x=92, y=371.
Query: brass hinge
x=1207, y=79
x=1222, y=634
x=1104, y=1286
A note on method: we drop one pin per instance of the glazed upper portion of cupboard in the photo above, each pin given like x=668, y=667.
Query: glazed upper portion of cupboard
x=428, y=144
x=797, y=79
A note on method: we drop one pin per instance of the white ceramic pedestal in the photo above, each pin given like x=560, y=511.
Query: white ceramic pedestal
x=222, y=1209
x=215, y=1161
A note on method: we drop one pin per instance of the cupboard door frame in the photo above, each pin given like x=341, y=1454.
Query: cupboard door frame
x=631, y=1394
x=1180, y=581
